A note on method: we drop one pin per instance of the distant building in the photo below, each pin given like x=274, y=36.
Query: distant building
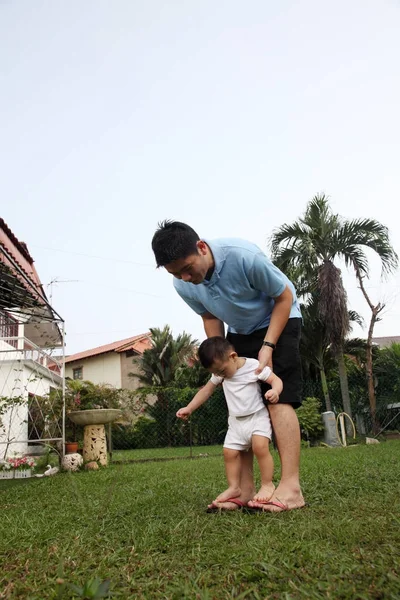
x=111, y=363
x=384, y=342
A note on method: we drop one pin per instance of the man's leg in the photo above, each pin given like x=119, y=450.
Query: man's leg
x=246, y=482
x=287, y=434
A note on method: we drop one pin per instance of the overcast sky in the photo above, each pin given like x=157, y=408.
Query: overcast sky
x=228, y=115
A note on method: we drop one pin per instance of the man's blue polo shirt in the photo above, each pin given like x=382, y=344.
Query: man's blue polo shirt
x=242, y=288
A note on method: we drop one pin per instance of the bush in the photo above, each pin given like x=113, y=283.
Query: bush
x=310, y=419
x=145, y=433
x=159, y=427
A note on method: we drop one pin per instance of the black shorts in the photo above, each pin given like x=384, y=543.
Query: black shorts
x=285, y=358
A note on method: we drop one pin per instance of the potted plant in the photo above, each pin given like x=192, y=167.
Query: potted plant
x=17, y=467
x=71, y=447
x=85, y=395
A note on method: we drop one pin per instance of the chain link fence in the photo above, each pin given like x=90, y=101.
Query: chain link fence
x=157, y=434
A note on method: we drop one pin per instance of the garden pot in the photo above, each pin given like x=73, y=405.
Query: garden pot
x=71, y=447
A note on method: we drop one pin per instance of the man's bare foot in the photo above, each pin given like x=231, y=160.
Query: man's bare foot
x=231, y=492
x=265, y=493
x=282, y=500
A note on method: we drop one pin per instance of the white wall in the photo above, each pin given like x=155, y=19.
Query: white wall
x=8, y=352
x=18, y=378
x=105, y=368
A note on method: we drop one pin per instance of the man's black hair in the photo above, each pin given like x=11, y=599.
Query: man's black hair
x=212, y=349
x=172, y=241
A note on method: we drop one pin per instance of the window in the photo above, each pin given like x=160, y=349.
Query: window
x=77, y=373
x=8, y=328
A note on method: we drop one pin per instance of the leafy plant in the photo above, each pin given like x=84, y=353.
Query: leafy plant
x=8, y=410
x=310, y=420
x=93, y=589
x=85, y=395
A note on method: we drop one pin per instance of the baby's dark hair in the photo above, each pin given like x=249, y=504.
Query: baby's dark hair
x=214, y=348
x=172, y=241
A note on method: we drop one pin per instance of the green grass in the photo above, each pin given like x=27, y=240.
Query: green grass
x=162, y=453
x=144, y=527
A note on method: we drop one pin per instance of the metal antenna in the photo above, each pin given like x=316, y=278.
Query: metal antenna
x=56, y=281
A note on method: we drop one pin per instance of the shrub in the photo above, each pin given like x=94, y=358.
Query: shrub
x=310, y=419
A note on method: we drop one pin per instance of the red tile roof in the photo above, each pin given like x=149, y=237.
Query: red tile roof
x=137, y=343
x=19, y=252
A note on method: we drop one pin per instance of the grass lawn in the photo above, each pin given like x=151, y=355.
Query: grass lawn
x=163, y=453
x=144, y=527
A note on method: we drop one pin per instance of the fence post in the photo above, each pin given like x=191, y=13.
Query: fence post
x=110, y=442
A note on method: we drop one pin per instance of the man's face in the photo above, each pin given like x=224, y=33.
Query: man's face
x=193, y=268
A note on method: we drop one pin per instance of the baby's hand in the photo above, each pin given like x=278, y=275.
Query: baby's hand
x=183, y=413
x=272, y=396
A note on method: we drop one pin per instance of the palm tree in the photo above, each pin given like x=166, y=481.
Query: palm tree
x=314, y=346
x=311, y=245
x=160, y=367
x=161, y=362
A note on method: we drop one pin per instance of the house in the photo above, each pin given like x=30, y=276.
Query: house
x=384, y=342
x=112, y=363
x=30, y=330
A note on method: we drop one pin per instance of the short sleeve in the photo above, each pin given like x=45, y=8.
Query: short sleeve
x=216, y=380
x=195, y=305
x=263, y=275
x=265, y=374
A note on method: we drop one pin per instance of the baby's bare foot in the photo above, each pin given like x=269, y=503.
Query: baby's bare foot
x=265, y=493
x=231, y=492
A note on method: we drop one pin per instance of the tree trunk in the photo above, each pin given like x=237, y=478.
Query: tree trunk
x=370, y=375
x=325, y=390
x=371, y=391
x=375, y=310
x=344, y=386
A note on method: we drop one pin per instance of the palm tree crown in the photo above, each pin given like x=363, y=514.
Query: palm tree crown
x=160, y=363
x=310, y=246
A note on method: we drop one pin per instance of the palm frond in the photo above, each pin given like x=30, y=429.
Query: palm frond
x=288, y=235
x=355, y=317
x=369, y=233
x=160, y=363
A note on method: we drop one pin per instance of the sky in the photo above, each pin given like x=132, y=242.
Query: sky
x=227, y=115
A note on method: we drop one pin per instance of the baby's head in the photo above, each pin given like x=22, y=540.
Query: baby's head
x=218, y=356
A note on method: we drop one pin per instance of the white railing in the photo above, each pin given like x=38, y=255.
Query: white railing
x=20, y=348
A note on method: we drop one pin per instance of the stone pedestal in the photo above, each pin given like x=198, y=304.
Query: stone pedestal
x=94, y=433
x=95, y=444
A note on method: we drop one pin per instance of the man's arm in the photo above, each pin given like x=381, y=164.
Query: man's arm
x=212, y=325
x=279, y=318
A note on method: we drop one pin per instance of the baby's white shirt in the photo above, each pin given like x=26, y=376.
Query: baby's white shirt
x=242, y=391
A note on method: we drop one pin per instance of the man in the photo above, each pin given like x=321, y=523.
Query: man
x=232, y=281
